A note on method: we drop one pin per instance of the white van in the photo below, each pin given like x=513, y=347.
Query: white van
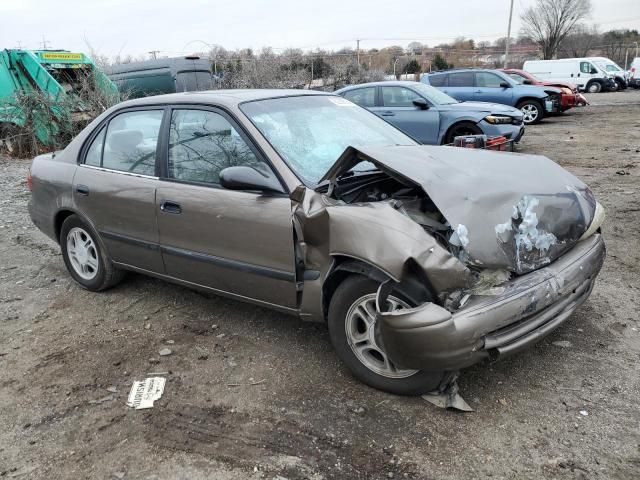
x=582, y=72
x=634, y=73
x=613, y=70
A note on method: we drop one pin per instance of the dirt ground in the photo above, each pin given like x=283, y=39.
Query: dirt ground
x=253, y=394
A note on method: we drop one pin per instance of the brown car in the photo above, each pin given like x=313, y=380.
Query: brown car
x=422, y=260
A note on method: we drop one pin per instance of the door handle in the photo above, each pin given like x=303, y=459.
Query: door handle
x=82, y=190
x=170, y=207
x=387, y=113
x=478, y=91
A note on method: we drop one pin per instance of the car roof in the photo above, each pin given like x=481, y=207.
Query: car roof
x=231, y=97
x=387, y=83
x=470, y=69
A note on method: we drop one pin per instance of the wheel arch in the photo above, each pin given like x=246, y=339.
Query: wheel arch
x=457, y=122
x=414, y=284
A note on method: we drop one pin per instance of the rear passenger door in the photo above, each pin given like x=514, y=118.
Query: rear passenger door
x=460, y=86
x=398, y=109
x=233, y=241
x=115, y=185
x=488, y=89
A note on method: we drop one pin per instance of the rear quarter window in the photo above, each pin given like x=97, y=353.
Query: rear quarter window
x=365, y=97
x=438, y=80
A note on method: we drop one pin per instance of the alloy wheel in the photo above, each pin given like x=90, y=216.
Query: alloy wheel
x=360, y=329
x=530, y=113
x=82, y=253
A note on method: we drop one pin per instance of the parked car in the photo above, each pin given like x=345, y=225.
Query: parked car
x=634, y=73
x=421, y=259
x=569, y=95
x=614, y=70
x=587, y=76
x=482, y=85
x=431, y=116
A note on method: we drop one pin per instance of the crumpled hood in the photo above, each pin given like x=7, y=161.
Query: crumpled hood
x=509, y=211
x=482, y=107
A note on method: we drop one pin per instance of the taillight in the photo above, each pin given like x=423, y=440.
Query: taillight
x=29, y=181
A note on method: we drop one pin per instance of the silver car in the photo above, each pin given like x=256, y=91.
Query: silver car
x=422, y=260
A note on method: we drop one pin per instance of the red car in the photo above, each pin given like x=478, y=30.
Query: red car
x=569, y=97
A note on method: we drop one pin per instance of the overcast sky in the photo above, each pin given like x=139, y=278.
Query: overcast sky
x=138, y=26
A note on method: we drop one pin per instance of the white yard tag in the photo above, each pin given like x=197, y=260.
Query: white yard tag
x=144, y=393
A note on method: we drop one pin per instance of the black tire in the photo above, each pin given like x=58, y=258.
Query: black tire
x=594, y=87
x=461, y=129
x=106, y=275
x=532, y=111
x=620, y=85
x=348, y=292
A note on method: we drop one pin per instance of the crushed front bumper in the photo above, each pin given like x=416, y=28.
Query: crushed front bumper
x=428, y=337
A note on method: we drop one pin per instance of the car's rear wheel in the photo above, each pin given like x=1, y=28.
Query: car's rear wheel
x=594, y=87
x=532, y=111
x=352, y=319
x=86, y=261
x=461, y=129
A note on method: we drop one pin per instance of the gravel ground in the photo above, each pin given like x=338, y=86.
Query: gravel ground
x=255, y=394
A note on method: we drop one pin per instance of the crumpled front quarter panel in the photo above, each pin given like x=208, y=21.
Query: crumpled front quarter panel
x=515, y=211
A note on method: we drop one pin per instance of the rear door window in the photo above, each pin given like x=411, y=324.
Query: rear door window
x=131, y=141
x=365, y=97
x=461, y=79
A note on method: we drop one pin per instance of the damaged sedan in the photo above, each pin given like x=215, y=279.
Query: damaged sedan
x=422, y=260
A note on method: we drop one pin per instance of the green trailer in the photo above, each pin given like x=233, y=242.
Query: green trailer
x=46, y=95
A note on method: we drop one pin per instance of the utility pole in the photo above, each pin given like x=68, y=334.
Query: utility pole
x=154, y=54
x=358, y=51
x=506, y=48
x=44, y=43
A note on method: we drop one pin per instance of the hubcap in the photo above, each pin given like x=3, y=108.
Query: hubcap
x=530, y=112
x=82, y=253
x=360, y=328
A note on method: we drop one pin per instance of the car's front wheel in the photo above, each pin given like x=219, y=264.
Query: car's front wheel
x=84, y=258
x=352, y=319
x=594, y=87
x=532, y=111
x=461, y=129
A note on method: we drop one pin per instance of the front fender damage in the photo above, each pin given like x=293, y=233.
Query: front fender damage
x=374, y=233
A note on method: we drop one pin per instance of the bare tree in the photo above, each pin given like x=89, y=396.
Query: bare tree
x=580, y=42
x=548, y=22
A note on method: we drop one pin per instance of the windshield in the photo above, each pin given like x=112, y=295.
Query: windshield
x=432, y=94
x=311, y=132
x=608, y=67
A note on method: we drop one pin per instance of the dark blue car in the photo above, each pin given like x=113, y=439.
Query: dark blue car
x=432, y=117
x=482, y=85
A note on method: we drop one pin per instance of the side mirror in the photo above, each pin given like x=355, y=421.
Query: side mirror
x=247, y=178
x=421, y=103
x=527, y=82
x=505, y=85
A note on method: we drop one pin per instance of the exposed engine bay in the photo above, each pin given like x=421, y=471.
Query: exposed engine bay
x=407, y=198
